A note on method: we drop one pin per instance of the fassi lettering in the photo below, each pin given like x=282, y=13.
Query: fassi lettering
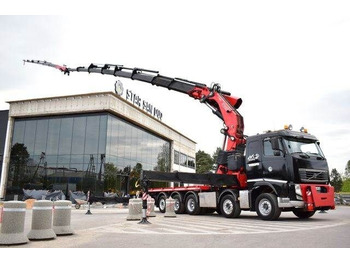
x=149, y=108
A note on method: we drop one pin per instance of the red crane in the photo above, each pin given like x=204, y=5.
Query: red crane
x=268, y=173
x=220, y=102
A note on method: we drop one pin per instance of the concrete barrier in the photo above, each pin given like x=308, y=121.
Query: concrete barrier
x=150, y=207
x=169, y=210
x=135, y=209
x=1, y=205
x=42, y=221
x=12, y=226
x=62, y=217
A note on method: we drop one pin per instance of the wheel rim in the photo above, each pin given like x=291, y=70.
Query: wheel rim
x=162, y=204
x=191, y=204
x=228, y=206
x=176, y=205
x=265, y=207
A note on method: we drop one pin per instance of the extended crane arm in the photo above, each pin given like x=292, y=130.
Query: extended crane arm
x=220, y=102
x=144, y=75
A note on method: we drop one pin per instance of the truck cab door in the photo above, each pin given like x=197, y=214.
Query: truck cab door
x=254, y=159
x=273, y=160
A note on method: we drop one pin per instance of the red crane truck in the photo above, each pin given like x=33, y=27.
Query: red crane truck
x=267, y=173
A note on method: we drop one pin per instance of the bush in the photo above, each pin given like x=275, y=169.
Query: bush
x=346, y=186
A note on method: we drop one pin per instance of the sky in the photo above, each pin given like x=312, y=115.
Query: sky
x=288, y=60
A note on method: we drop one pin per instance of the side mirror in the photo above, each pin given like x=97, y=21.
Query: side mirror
x=275, y=144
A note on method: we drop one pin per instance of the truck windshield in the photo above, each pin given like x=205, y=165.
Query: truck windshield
x=308, y=147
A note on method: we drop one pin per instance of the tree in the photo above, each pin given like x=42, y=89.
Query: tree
x=204, y=162
x=215, y=158
x=163, y=160
x=336, y=180
x=346, y=181
x=215, y=154
x=111, y=178
x=347, y=170
x=19, y=160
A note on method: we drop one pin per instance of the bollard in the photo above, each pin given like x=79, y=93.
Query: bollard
x=88, y=201
x=169, y=210
x=13, y=218
x=135, y=209
x=42, y=221
x=88, y=212
x=62, y=217
x=150, y=207
x=144, y=209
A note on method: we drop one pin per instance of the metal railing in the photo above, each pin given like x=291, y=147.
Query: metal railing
x=342, y=199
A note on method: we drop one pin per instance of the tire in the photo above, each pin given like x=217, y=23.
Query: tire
x=303, y=214
x=266, y=207
x=229, y=207
x=77, y=206
x=179, y=206
x=162, y=203
x=192, y=205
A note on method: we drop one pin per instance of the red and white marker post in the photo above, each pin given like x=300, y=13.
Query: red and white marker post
x=144, y=209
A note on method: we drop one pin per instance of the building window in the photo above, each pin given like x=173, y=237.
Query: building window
x=176, y=157
x=191, y=162
x=183, y=159
x=80, y=152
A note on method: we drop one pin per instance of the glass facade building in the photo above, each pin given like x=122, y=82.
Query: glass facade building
x=4, y=114
x=97, y=151
x=95, y=141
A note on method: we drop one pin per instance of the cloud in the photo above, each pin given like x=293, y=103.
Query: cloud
x=332, y=107
x=330, y=114
x=23, y=36
x=288, y=71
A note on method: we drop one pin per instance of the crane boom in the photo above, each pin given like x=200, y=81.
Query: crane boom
x=140, y=74
x=220, y=102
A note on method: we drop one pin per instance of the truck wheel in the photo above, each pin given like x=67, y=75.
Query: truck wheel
x=192, y=205
x=179, y=206
x=229, y=207
x=162, y=204
x=266, y=207
x=303, y=214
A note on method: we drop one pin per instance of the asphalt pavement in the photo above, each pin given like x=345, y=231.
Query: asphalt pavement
x=107, y=227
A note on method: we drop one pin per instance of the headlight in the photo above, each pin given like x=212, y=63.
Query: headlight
x=298, y=193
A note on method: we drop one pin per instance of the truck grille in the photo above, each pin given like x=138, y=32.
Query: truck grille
x=313, y=175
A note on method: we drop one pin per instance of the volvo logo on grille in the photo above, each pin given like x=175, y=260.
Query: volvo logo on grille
x=314, y=176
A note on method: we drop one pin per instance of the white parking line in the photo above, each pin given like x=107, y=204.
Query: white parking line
x=188, y=225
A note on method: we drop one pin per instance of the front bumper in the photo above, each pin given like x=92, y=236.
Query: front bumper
x=310, y=197
x=318, y=196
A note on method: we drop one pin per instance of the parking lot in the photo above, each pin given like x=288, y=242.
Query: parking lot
x=108, y=227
